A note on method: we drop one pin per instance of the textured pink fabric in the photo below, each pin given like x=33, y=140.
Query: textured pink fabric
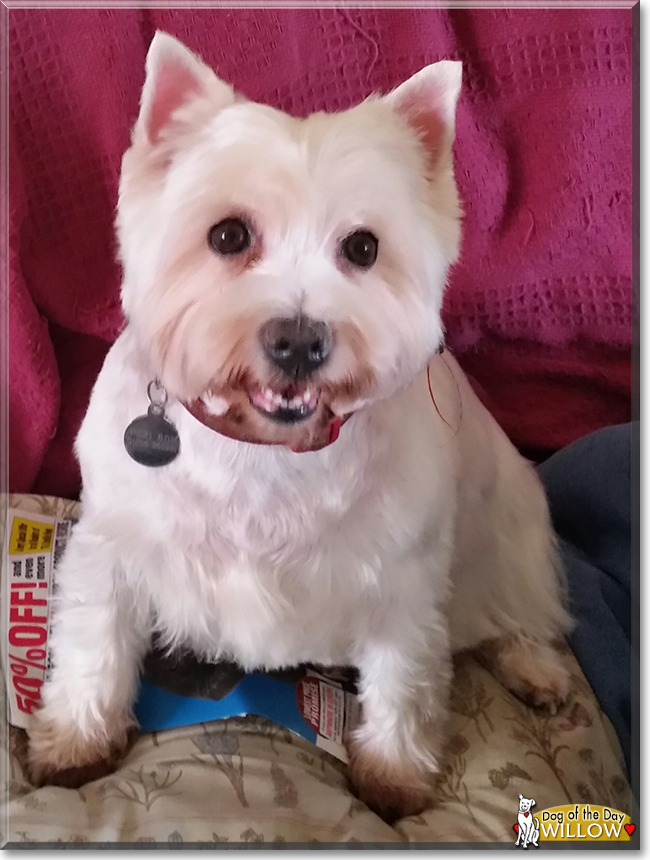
x=539, y=308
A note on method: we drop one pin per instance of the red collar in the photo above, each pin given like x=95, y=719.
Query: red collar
x=334, y=430
x=220, y=424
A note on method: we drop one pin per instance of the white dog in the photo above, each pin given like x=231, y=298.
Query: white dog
x=528, y=831
x=283, y=280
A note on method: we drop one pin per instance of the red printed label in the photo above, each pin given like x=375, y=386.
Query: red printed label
x=308, y=696
x=323, y=706
x=27, y=638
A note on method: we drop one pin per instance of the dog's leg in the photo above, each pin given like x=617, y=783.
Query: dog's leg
x=533, y=671
x=535, y=835
x=404, y=682
x=97, y=641
x=509, y=598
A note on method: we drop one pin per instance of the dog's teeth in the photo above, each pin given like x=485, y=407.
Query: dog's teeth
x=263, y=398
x=271, y=401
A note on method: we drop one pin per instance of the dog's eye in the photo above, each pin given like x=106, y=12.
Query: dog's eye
x=230, y=236
x=360, y=248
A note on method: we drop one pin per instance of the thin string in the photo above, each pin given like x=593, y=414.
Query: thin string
x=368, y=37
x=433, y=399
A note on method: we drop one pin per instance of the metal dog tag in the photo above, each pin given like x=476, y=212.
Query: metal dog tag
x=151, y=439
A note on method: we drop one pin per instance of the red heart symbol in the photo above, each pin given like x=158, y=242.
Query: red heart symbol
x=526, y=814
x=630, y=828
x=516, y=826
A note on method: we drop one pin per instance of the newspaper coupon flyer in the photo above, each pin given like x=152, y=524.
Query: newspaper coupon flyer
x=319, y=705
x=33, y=546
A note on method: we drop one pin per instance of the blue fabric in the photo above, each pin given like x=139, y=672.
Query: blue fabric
x=257, y=693
x=589, y=488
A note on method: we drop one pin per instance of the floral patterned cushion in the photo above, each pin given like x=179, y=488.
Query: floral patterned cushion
x=249, y=781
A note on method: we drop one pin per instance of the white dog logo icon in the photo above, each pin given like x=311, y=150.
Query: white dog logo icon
x=527, y=824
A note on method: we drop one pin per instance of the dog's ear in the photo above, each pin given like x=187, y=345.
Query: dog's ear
x=175, y=77
x=521, y=797
x=428, y=103
x=533, y=803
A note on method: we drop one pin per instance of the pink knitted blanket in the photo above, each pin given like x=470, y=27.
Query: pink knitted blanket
x=538, y=309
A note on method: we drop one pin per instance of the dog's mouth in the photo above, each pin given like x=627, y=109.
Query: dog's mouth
x=290, y=404
x=300, y=414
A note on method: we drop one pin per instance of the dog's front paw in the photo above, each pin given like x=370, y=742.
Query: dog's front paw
x=61, y=755
x=392, y=790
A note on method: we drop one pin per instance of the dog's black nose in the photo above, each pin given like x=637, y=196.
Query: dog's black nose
x=297, y=346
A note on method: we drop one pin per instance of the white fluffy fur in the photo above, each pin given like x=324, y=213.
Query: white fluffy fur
x=405, y=539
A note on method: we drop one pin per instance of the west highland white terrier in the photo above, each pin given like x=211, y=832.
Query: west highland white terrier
x=266, y=477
